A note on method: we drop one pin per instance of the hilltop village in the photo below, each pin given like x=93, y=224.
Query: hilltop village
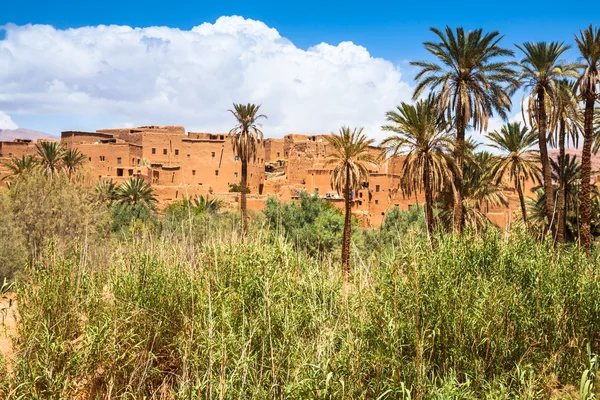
x=182, y=165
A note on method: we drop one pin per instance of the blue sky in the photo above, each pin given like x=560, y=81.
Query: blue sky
x=393, y=31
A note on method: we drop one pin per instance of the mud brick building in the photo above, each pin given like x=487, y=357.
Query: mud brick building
x=180, y=164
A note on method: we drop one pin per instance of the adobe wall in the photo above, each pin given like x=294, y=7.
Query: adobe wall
x=16, y=148
x=274, y=150
x=74, y=138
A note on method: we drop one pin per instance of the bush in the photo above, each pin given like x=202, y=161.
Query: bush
x=311, y=223
x=478, y=317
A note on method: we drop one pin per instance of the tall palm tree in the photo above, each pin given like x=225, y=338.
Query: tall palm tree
x=480, y=190
x=350, y=156
x=517, y=161
x=419, y=134
x=567, y=172
x=73, y=159
x=540, y=70
x=50, y=156
x=567, y=127
x=470, y=76
x=245, y=136
x=18, y=166
x=588, y=88
x=135, y=191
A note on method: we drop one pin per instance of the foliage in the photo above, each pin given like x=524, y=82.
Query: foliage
x=237, y=188
x=12, y=251
x=53, y=210
x=482, y=316
x=310, y=223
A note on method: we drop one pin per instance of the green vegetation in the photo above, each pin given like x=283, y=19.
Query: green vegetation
x=117, y=299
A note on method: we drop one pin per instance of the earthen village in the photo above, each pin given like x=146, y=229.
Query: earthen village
x=180, y=164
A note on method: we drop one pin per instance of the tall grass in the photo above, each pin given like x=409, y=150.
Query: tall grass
x=164, y=316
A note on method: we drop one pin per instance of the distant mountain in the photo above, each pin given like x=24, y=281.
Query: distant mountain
x=577, y=152
x=22, y=133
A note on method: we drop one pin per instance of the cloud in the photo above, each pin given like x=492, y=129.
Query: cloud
x=6, y=122
x=161, y=75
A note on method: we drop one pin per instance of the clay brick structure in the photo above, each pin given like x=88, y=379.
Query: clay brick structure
x=181, y=165
x=176, y=163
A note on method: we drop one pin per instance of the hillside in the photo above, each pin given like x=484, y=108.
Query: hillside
x=22, y=133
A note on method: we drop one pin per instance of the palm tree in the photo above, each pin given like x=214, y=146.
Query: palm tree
x=244, y=137
x=419, y=135
x=470, y=78
x=105, y=192
x=203, y=204
x=587, y=86
x=50, y=156
x=72, y=159
x=134, y=192
x=567, y=127
x=480, y=190
x=518, y=161
x=540, y=69
x=351, y=159
x=567, y=173
x=19, y=166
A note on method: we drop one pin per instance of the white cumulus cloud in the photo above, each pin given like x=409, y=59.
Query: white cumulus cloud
x=161, y=75
x=6, y=122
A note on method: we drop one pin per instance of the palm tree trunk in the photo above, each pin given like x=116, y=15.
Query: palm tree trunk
x=244, y=185
x=428, y=201
x=560, y=202
x=458, y=176
x=519, y=189
x=347, y=230
x=585, y=205
x=546, y=170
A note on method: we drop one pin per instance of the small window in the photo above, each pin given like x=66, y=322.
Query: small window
x=119, y=171
x=277, y=154
x=213, y=153
x=165, y=151
x=101, y=158
x=90, y=158
x=188, y=155
x=377, y=188
x=176, y=152
x=222, y=137
x=118, y=160
x=216, y=172
x=153, y=150
x=376, y=201
x=193, y=172
x=130, y=172
x=235, y=174
x=360, y=195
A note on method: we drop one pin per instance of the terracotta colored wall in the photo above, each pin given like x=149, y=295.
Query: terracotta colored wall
x=274, y=150
x=16, y=149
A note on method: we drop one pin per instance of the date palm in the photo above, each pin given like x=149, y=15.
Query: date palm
x=419, y=135
x=134, y=192
x=350, y=157
x=567, y=128
x=480, y=191
x=72, y=159
x=470, y=77
x=245, y=137
x=50, y=156
x=18, y=166
x=587, y=87
x=517, y=162
x=541, y=69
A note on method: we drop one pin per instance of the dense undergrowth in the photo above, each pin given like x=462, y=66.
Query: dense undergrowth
x=185, y=310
